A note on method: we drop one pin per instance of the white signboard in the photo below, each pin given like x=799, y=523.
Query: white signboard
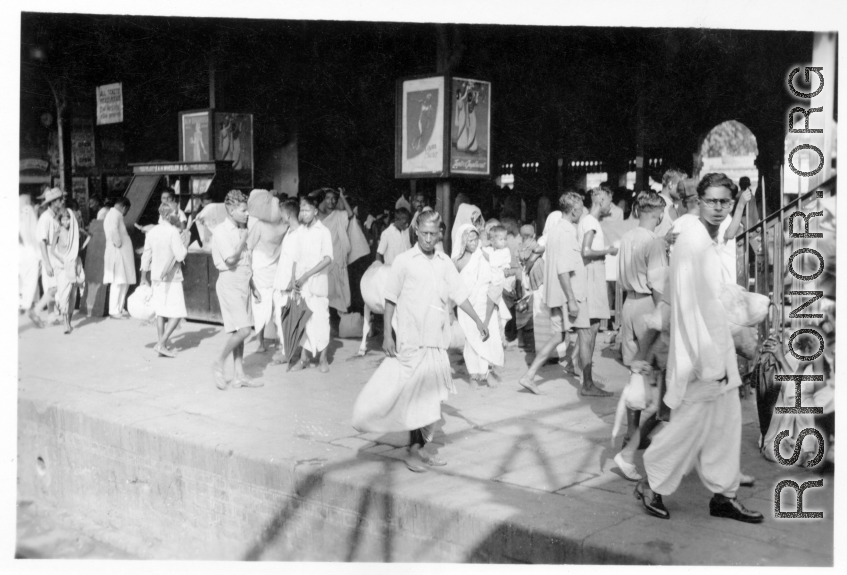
x=110, y=104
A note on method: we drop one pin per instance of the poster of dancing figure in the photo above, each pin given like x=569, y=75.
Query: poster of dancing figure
x=470, y=127
x=421, y=116
x=234, y=143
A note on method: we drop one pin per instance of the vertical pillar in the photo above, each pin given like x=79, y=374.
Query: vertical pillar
x=443, y=201
x=444, y=206
x=639, y=133
x=211, y=82
x=560, y=177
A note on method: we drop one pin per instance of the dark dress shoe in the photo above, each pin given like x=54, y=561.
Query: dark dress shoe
x=721, y=506
x=655, y=506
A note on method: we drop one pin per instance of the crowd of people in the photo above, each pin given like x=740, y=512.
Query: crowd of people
x=284, y=261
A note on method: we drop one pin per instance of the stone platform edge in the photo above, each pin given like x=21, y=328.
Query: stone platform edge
x=166, y=496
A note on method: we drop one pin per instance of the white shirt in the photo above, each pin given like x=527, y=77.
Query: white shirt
x=286, y=269
x=589, y=223
x=162, y=246
x=664, y=227
x=499, y=261
x=392, y=243
x=225, y=241
x=422, y=287
x=315, y=243
x=47, y=228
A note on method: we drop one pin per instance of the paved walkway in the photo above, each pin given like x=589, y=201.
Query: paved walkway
x=520, y=458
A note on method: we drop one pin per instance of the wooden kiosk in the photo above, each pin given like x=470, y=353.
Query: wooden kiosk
x=189, y=180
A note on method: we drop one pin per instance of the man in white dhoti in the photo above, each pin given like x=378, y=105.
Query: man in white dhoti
x=406, y=391
x=264, y=240
x=702, y=372
x=118, y=259
x=46, y=233
x=29, y=259
x=286, y=270
x=164, y=249
x=314, y=258
x=337, y=221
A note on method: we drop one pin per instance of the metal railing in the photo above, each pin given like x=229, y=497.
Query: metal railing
x=763, y=253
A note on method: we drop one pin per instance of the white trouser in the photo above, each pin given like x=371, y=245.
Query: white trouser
x=703, y=434
x=117, y=298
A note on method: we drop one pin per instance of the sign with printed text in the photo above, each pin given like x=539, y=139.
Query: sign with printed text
x=110, y=104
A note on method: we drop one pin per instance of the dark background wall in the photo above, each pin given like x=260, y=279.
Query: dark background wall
x=558, y=92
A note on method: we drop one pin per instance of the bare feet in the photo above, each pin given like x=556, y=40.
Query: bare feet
x=163, y=351
x=530, y=385
x=39, y=323
x=241, y=380
x=592, y=390
x=218, y=375
x=299, y=366
x=323, y=367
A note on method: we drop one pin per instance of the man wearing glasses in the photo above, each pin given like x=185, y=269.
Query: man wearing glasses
x=704, y=430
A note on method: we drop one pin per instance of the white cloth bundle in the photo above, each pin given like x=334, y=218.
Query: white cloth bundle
x=139, y=303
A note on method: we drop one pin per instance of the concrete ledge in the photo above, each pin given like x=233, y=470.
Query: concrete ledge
x=164, y=466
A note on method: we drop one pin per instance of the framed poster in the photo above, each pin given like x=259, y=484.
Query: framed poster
x=195, y=142
x=420, y=139
x=234, y=143
x=82, y=144
x=80, y=194
x=117, y=185
x=470, y=127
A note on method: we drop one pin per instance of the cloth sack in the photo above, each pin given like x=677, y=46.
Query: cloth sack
x=139, y=303
x=351, y=325
x=745, y=311
x=637, y=395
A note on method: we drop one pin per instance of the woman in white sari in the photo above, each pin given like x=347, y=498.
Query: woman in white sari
x=465, y=214
x=475, y=273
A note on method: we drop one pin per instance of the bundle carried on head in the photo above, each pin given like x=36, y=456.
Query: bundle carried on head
x=263, y=206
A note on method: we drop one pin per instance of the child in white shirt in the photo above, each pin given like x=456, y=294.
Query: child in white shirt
x=500, y=259
x=394, y=240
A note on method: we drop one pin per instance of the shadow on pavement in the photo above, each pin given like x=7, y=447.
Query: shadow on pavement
x=188, y=340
